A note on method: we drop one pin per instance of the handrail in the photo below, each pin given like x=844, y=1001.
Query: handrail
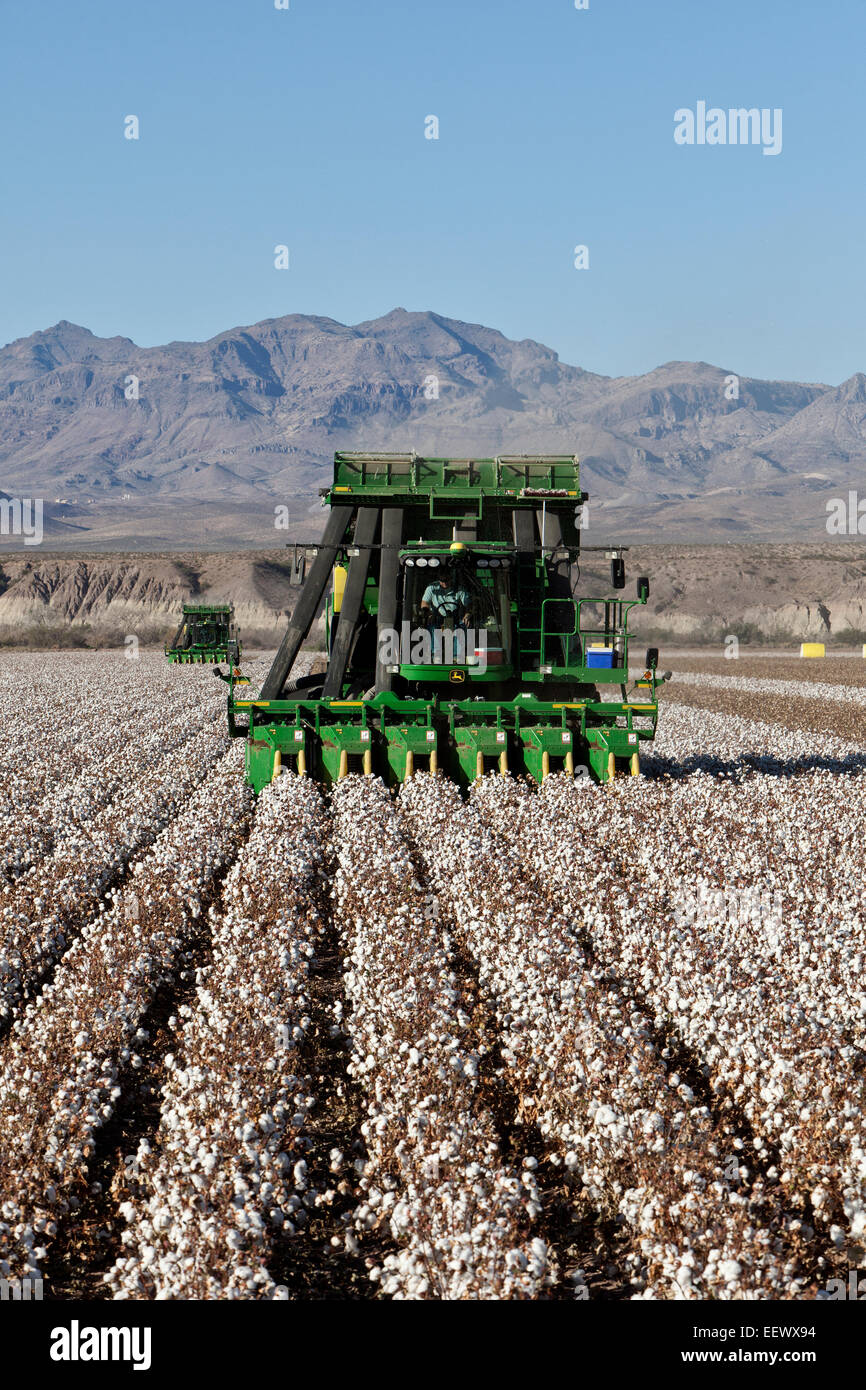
x=621, y=608
x=564, y=637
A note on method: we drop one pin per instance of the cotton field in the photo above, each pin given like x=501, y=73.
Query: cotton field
x=556, y=1043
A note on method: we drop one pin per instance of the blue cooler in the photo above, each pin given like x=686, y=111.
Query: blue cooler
x=599, y=657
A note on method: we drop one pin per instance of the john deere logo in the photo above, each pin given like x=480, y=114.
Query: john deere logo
x=458, y=677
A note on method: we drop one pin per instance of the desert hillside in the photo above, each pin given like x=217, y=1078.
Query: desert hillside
x=95, y=599
x=770, y=593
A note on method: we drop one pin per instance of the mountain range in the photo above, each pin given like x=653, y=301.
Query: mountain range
x=198, y=444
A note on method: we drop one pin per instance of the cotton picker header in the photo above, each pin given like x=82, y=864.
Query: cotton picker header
x=456, y=636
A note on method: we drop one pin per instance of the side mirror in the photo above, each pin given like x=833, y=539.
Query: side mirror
x=643, y=588
x=617, y=573
x=652, y=658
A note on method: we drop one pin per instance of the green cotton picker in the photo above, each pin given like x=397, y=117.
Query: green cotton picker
x=457, y=637
x=206, y=634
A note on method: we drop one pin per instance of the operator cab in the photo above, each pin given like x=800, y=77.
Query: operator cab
x=457, y=612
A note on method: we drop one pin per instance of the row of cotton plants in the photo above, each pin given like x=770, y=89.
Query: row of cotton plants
x=434, y=1179
x=752, y=955
x=584, y=1059
x=42, y=912
x=65, y=1063
x=225, y=1172
x=92, y=769
x=60, y=708
x=759, y=685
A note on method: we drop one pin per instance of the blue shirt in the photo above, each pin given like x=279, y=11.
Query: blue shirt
x=446, y=601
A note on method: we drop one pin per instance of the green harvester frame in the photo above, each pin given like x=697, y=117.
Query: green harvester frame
x=407, y=689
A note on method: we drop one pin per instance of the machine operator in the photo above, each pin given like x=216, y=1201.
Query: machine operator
x=443, y=600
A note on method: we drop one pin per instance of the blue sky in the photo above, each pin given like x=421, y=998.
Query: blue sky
x=306, y=128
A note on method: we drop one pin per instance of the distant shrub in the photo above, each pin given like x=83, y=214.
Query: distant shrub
x=38, y=637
